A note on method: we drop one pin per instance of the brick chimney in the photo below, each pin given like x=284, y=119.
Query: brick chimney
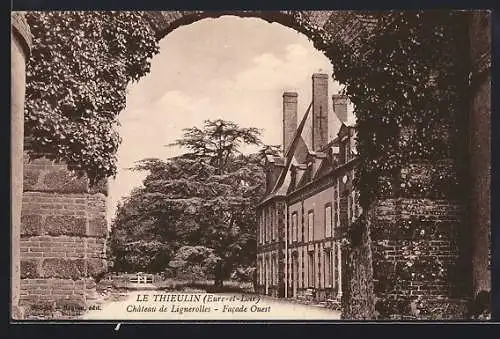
x=320, y=110
x=340, y=107
x=289, y=118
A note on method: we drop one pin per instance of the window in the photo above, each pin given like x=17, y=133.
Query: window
x=275, y=270
x=263, y=230
x=328, y=269
x=294, y=226
x=299, y=269
x=319, y=284
x=265, y=226
x=328, y=221
x=271, y=214
x=258, y=229
x=297, y=227
x=311, y=269
x=268, y=224
x=258, y=270
x=310, y=224
x=275, y=224
x=303, y=275
x=349, y=208
x=309, y=171
x=334, y=207
x=344, y=146
x=354, y=150
x=277, y=216
x=337, y=205
x=271, y=275
x=303, y=228
x=262, y=272
x=334, y=216
x=354, y=206
x=268, y=270
x=261, y=227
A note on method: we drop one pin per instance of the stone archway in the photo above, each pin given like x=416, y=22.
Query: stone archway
x=324, y=28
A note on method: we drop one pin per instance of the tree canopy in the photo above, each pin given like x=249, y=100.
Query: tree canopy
x=200, y=206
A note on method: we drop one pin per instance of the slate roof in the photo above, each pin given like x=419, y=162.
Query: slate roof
x=300, y=165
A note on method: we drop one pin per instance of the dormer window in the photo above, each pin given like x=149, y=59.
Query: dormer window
x=343, y=152
x=309, y=170
x=354, y=151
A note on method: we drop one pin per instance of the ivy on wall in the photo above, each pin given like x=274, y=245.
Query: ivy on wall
x=80, y=66
x=404, y=80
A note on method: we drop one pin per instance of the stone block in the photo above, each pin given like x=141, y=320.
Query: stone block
x=35, y=305
x=97, y=227
x=96, y=267
x=62, y=180
x=30, y=268
x=65, y=225
x=30, y=179
x=63, y=268
x=31, y=224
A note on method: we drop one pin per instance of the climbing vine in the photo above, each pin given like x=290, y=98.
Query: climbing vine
x=80, y=66
x=404, y=80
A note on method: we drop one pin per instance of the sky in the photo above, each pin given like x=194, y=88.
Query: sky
x=231, y=68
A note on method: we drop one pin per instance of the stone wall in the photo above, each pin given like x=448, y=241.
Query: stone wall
x=480, y=148
x=63, y=231
x=435, y=211
x=416, y=259
x=358, y=300
x=20, y=50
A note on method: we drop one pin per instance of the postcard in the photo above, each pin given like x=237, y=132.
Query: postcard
x=251, y=165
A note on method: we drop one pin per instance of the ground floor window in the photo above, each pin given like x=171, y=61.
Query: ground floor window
x=303, y=273
x=275, y=275
x=268, y=270
x=328, y=269
x=319, y=284
x=311, y=269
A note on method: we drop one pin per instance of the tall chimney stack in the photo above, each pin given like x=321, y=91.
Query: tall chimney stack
x=320, y=110
x=340, y=107
x=289, y=118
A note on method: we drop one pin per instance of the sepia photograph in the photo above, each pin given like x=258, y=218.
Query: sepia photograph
x=251, y=165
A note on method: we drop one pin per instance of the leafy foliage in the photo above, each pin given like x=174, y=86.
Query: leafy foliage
x=80, y=66
x=200, y=204
x=194, y=262
x=218, y=141
x=404, y=77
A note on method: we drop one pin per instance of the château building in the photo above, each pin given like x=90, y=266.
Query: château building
x=309, y=198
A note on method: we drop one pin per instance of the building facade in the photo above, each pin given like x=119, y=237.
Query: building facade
x=309, y=201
